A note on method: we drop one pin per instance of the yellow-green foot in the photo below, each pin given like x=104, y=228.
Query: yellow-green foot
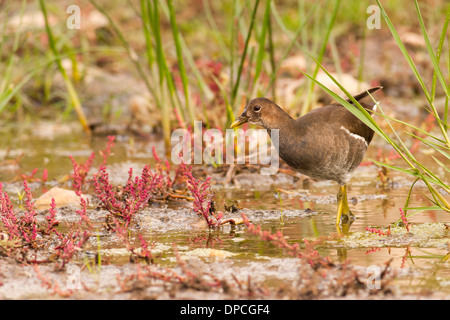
x=345, y=217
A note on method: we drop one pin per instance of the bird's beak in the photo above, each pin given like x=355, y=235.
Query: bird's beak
x=240, y=120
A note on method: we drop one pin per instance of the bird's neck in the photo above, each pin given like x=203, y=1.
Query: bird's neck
x=283, y=123
x=279, y=120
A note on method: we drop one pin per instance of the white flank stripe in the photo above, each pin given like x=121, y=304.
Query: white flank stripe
x=354, y=135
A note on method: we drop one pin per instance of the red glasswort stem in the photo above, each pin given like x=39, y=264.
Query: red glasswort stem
x=137, y=192
x=180, y=121
x=145, y=253
x=199, y=191
x=8, y=216
x=403, y=217
x=51, y=221
x=77, y=180
x=277, y=238
x=83, y=214
x=80, y=171
x=155, y=155
x=71, y=243
x=104, y=192
x=310, y=255
x=25, y=229
x=30, y=229
x=31, y=176
x=89, y=162
x=107, y=152
x=44, y=175
x=378, y=231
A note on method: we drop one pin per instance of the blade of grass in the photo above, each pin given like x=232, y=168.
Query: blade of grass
x=439, y=52
x=413, y=68
x=215, y=29
x=272, y=55
x=408, y=198
x=190, y=61
x=294, y=39
x=307, y=105
x=12, y=60
x=232, y=44
x=412, y=127
x=40, y=64
x=362, y=55
x=147, y=34
x=432, y=145
x=163, y=70
x=420, y=209
x=246, y=86
x=438, y=196
x=335, y=55
x=441, y=164
x=11, y=93
x=430, y=176
x=244, y=54
x=69, y=85
x=152, y=16
x=181, y=66
x=404, y=148
x=130, y=52
x=402, y=48
x=4, y=24
x=262, y=42
x=433, y=58
x=412, y=172
x=228, y=106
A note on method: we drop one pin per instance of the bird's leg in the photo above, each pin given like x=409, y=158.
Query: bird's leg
x=344, y=216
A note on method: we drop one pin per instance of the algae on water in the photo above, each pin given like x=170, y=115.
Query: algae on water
x=424, y=235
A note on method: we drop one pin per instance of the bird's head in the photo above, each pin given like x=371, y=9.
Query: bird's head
x=259, y=111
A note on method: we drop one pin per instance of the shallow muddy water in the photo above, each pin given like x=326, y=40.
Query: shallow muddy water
x=284, y=203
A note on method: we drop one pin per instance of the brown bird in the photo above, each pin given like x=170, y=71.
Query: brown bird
x=328, y=143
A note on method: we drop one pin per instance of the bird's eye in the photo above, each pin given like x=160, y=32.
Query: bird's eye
x=257, y=108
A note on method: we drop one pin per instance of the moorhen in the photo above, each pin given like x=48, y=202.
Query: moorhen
x=328, y=143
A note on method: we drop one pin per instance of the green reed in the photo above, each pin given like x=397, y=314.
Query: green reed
x=67, y=81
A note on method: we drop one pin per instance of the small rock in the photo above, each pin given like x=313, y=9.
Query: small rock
x=63, y=197
x=208, y=253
